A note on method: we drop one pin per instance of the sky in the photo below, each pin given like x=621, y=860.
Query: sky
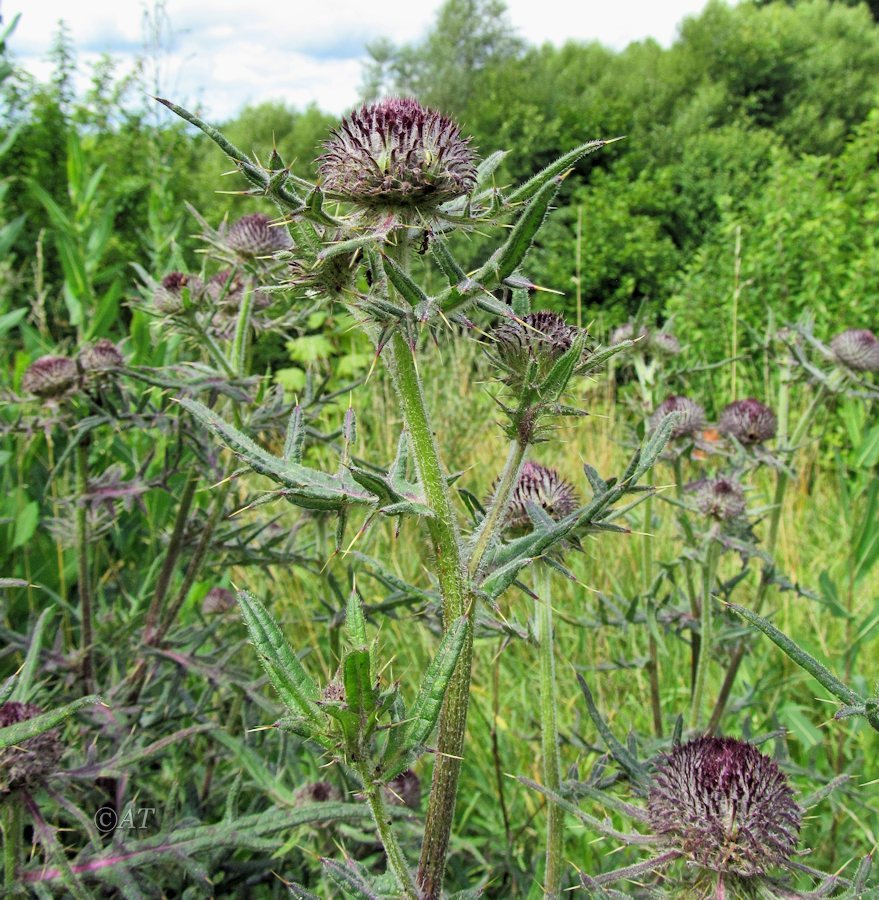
x=227, y=53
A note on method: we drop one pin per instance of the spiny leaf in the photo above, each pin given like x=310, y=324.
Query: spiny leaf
x=562, y=164
x=295, y=437
x=21, y=731
x=404, y=284
x=24, y=681
x=355, y=622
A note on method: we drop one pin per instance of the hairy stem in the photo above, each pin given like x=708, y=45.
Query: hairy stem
x=456, y=602
x=708, y=571
x=82, y=565
x=393, y=853
x=11, y=825
x=646, y=584
x=549, y=733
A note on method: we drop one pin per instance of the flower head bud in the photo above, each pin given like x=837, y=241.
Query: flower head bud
x=29, y=762
x=404, y=790
x=254, y=235
x=217, y=600
x=720, y=498
x=626, y=332
x=692, y=416
x=748, y=421
x=50, y=376
x=100, y=357
x=397, y=153
x=318, y=792
x=546, y=489
x=725, y=806
x=541, y=337
x=168, y=294
x=858, y=348
x=226, y=288
x=663, y=343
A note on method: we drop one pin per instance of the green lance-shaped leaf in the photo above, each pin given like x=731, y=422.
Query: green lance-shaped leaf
x=655, y=444
x=487, y=168
x=820, y=673
x=355, y=621
x=21, y=731
x=448, y=265
x=295, y=437
x=24, y=681
x=557, y=380
x=424, y=712
x=403, y=284
x=294, y=685
x=618, y=751
x=600, y=357
x=314, y=202
x=359, y=691
x=507, y=258
x=352, y=879
x=350, y=246
x=562, y=164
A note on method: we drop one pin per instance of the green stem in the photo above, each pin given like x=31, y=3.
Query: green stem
x=490, y=525
x=82, y=565
x=708, y=571
x=646, y=584
x=393, y=853
x=690, y=538
x=241, y=340
x=11, y=825
x=452, y=578
x=549, y=733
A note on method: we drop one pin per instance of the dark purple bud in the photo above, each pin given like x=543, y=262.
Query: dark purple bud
x=255, y=235
x=720, y=498
x=217, y=600
x=626, y=332
x=27, y=763
x=748, y=421
x=100, y=357
x=168, y=294
x=541, y=337
x=404, y=790
x=318, y=792
x=692, y=416
x=858, y=348
x=546, y=489
x=397, y=153
x=50, y=376
x=725, y=806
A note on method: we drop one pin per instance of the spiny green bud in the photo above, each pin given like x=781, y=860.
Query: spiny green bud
x=858, y=348
x=397, y=153
x=540, y=338
x=254, y=235
x=543, y=487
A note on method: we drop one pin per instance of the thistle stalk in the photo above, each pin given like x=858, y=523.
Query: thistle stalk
x=11, y=826
x=549, y=733
x=82, y=566
x=450, y=572
x=705, y=628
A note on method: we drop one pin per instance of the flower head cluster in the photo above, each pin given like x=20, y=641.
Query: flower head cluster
x=51, y=377
x=858, y=348
x=719, y=498
x=725, y=806
x=397, y=153
x=540, y=338
x=28, y=762
x=254, y=235
x=691, y=416
x=748, y=421
x=546, y=489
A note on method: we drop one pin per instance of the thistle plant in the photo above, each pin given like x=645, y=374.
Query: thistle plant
x=395, y=178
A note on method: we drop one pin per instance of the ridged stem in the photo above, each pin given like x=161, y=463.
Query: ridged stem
x=646, y=584
x=450, y=573
x=549, y=734
x=705, y=629
x=11, y=824
x=82, y=566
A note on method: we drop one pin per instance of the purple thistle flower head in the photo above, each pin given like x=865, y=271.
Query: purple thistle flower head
x=543, y=487
x=748, y=421
x=692, y=416
x=217, y=600
x=542, y=337
x=50, y=377
x=397, y=153
x=255, y=235
x=404, y=790
x=626, y=332
x=664, y=343
x=858, y=348
x=720, y=498
x=725, y=806
x=29, y=762
x=98, y=358
x=168, y=294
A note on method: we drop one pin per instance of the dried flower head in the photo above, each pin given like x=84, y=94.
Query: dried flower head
x=720, y=498
x=397, y=153
x=217, y=600
x=748, y=421
x=691, y=416
x=540, y=337
x=404, y=790
x=543, y=487
x=168, y=294
x=725, y=806
x=100, y=357
x=254, y=235
x=29, y=762
x=50, y=376
x=858, y=348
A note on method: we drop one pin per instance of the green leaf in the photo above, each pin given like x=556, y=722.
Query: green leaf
x=355, y=622
x=295, y=437
x=294, y=685
x=21, y=731
x=560, y=374
x=806, y=661
x=404, y=284
x=562, y=164
x=26, y=524
x=359, y=692
x=25, y=679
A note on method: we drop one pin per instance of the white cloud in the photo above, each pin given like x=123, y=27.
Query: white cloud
x=230, y=52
